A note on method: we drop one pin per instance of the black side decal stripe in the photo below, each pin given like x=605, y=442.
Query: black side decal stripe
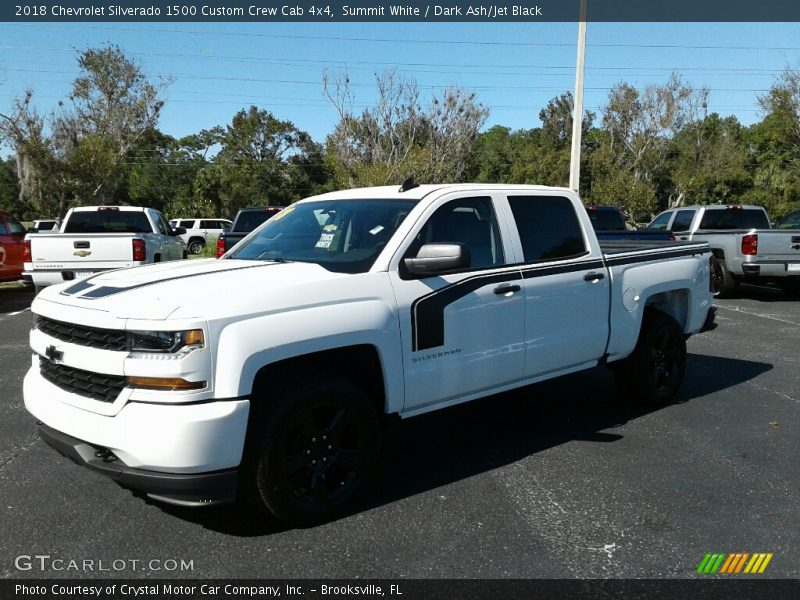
x=614, y=261
x=427, y=312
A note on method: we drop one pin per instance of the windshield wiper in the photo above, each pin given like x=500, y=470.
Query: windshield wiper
x=276, y=259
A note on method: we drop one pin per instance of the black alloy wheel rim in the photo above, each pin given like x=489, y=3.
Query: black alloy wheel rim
x=665, y=358
x=322, y=453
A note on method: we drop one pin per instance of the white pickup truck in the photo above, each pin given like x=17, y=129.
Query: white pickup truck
x=99, y=238
x=341, y=309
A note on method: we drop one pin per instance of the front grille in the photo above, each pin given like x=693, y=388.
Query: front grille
x=97, y=386
x=94, y=337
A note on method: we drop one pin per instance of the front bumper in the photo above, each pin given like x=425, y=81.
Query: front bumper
x=198, y=437
x=184, y=489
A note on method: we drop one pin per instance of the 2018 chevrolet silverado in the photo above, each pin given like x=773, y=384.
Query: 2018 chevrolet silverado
x=100, y=238
x=341, y=309
x=744, y=244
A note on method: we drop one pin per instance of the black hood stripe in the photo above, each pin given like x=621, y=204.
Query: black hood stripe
x=105, y=291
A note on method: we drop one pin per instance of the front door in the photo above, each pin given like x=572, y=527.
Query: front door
x=462, y=332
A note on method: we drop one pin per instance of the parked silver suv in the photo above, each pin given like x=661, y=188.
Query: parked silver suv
x=198, y=231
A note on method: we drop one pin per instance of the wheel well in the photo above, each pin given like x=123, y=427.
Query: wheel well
x=719, y=253
x=197, y=239
x=674, y=303
x=156, y=258
x=359, y=364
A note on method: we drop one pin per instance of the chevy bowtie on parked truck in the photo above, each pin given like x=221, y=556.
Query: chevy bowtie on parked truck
x=99, y=238
x=744, y=244
x=339, y=310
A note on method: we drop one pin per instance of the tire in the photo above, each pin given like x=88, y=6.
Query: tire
x=196, y=246
x=791, y=287
x=652, y=374
x=724, y=282
x=310, y=455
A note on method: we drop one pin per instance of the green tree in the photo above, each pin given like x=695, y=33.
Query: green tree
x=263, y=160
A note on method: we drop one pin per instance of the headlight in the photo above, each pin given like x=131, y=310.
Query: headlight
x=166, y=342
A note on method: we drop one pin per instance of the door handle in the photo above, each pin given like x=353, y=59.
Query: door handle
x=506, y=289
x=593, y=277
x=684, y=237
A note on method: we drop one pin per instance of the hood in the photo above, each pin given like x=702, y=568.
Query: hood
x=185, y=289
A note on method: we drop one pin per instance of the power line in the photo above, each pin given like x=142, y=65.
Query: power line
x=240, y=34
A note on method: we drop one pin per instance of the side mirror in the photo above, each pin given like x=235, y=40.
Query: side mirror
x=179, y=231
x=434, y=259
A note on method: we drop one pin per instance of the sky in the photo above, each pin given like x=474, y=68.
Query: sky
x=514, y=68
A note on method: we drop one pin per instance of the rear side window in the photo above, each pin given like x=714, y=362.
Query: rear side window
x=683, y=220
x=548, y=227
x=3, y=228
x=791, y=221
x=14, y=226
x=107, y=221
x=210, y=224
x=45, y=226
x=734, y=218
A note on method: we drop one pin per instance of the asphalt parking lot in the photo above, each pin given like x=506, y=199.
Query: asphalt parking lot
x=554, y=480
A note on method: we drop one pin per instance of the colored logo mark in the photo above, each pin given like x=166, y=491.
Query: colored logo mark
x=739, y=562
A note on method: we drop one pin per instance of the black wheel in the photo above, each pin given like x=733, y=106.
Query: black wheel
x=311, y=456
x=791, y=286
x=196, y=246
x=654, y=371
x=724, y=282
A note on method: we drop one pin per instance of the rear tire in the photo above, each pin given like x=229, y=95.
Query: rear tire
x=310, y=454
x=654, y=371
x=725, y=284
x=196, y=246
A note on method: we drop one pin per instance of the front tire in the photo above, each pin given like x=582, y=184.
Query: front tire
x=791, y=287
x=654, y=371
x=311, y=455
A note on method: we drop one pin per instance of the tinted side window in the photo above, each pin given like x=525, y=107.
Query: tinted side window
x=683, y=220
x=468, y=221
x=207, y=224
x=660, y=222
x=3, y=229
x=46, y=226
x=548, y=227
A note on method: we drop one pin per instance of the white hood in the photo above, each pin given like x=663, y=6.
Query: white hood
x=186, y=289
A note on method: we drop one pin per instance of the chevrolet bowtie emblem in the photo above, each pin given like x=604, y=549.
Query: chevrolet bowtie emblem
x=53, y=354
x=81, y=253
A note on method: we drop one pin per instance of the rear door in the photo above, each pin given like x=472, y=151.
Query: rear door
x=461, y=332
x=565, y=283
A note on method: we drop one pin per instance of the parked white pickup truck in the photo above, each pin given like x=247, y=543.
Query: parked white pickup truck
x=744, y=244
x=340, y=309
x=99, y=238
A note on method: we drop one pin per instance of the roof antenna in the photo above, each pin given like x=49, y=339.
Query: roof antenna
x=408, y=184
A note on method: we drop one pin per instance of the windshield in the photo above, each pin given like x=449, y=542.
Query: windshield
x=108, y=221
x=735, y=218
x=606, y=219
x=343, y=236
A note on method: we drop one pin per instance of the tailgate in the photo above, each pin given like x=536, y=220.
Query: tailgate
x=780, y=245
x=82, y=251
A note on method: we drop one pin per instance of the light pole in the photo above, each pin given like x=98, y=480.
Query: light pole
x=577, y=113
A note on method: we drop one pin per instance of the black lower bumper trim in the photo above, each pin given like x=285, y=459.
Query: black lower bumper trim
x=184, y=489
